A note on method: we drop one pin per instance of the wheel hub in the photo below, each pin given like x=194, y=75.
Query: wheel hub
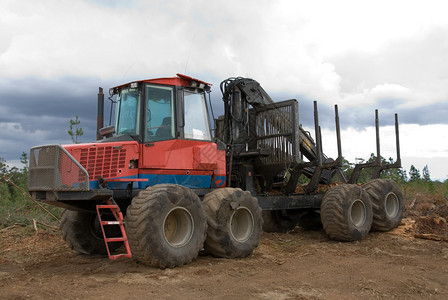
x=241, y=224
x=178, y=227
x=391, y=205
x=358, y=213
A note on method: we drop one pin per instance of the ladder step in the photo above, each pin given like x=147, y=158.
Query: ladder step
x=116, y=239
x=115, y=256
x=115, y=207
x=111, y=222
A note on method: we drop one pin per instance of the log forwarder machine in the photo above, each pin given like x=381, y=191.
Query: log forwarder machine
x=182, y=189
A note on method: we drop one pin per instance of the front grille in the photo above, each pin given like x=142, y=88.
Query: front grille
x=102, y=161
x=52, y=168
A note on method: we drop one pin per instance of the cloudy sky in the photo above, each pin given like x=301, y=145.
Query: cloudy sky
x=390, y=55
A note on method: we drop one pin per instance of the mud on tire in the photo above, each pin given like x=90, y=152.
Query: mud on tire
x=82, y=232
x=166, y=226
x=346, y=213
x=387, y=203
x=234, y=223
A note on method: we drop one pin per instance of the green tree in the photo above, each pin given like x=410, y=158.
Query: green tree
x=19, y=176
x=425, y=174
x=427, y=179
x=347, y=168
x=405, y=176
x=75, y=132
x=24, y=160
x=414, y=174
x=4, y=189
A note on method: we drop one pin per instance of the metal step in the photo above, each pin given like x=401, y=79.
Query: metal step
x=115, y=209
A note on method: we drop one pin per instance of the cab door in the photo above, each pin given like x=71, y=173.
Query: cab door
x=176, y=121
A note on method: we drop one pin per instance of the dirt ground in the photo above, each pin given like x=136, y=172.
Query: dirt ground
x=410, y=262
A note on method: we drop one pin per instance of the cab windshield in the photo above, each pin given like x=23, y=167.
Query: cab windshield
x=128, y=112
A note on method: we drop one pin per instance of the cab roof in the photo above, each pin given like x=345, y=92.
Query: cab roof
x=180, y=80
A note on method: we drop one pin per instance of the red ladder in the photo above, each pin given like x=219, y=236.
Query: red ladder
x=119, y=221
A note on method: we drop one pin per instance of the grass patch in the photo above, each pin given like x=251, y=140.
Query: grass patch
x=435, y=188
x=22, y=211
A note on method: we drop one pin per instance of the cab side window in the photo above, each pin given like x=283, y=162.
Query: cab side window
x=196, y=120
x=159, y=113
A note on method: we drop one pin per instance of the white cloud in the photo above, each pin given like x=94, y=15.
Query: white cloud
x=415, y=64
x=380, y=92
x=287, y=45
x=342, y=26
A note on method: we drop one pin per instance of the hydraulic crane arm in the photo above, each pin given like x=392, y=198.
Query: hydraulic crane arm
x=239, y=92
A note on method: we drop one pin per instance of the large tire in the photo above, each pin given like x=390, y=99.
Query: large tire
x=387, y=203
x=346, y=213
x=166, y=226
x=82, y=232
x=234, y=223
x=279, y=221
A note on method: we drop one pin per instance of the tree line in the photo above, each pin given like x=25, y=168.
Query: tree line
x=398, y=175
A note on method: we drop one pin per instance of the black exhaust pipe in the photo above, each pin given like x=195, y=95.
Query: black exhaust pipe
x=100, y=114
